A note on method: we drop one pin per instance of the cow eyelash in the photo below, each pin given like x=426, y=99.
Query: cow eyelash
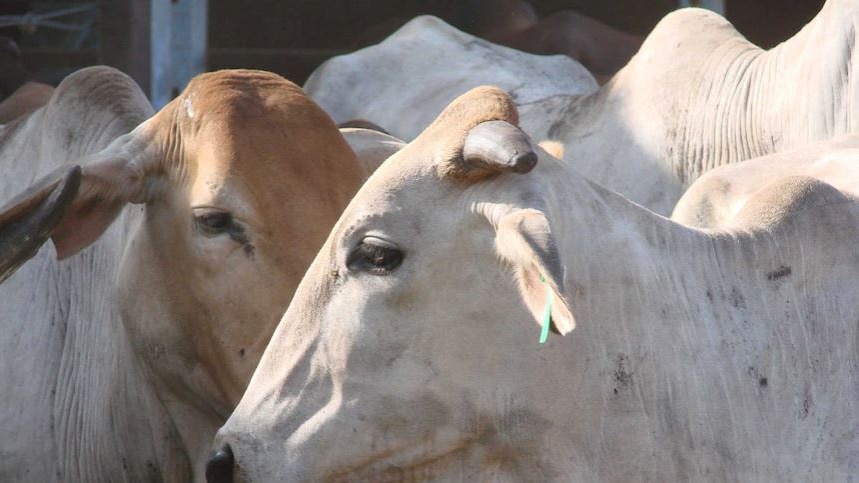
x=211, y=222
x=374, y=257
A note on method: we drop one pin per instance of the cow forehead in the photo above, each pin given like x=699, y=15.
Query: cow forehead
x=244, y=91
x=257, y=127
x=239, y=102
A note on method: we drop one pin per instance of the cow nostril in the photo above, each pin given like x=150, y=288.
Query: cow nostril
x=219, y=469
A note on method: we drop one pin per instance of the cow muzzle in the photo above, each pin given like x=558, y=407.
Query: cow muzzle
x=219, y=468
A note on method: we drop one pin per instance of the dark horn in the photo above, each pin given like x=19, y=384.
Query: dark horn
x=27, y=222
x=499, y=146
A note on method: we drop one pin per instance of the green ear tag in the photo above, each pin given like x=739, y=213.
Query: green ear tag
x=547, y=314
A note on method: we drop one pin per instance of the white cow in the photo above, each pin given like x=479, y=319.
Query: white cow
x=410, y=351
x=719, y=198
x=697, y=95
x=120, y=363
x=404, y=82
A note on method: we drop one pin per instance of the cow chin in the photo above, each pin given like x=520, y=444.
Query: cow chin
x=392, y=438
x=449, y=456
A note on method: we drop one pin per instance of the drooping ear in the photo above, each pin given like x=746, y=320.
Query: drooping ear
x=524, y=239
x=114, y=179
x=28, y=220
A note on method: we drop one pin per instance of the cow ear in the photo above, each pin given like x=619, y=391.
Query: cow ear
x=106, y=186
x=28, y=220
x=524, y=239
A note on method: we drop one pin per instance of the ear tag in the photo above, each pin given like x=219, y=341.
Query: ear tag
x=547, y=314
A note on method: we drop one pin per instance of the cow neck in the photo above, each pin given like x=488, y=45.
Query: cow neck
x=747, y=103
x=695, y=98
x=607, y=242
x=110, y=425
x=100, y=372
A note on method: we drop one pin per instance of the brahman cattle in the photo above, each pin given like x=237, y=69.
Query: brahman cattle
x=410, y=351
x=718, y=199
x=392, y=86
x=697, y=95
x=189, y=235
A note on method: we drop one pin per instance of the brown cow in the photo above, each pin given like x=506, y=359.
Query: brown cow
x=191, y=233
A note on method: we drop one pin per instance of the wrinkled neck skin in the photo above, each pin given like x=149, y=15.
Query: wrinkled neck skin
x=710, y=353
x=99, y=418
x=698, y=95
x=105, y=412
x=84, y=408
x=801, y=91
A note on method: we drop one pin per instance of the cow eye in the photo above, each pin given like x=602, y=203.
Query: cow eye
x=375, y=256
x=212, y=222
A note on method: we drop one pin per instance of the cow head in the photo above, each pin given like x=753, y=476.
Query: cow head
x=387, y=362
x=228, y=192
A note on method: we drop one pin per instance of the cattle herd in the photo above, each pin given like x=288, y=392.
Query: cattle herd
x=237, y=290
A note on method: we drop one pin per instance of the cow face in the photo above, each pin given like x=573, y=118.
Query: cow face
x=235, y=185
x=387, y=362
x=258, y=176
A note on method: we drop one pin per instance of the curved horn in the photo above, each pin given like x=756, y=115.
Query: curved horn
x=499, y=146
x=27, y=222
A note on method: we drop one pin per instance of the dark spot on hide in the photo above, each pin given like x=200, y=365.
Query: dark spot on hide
x=249, y=250
x=558, y=128
x=238, y=235
x=709, y=295
x=781, y=272
x=622, y=374
x=806, y=407
x=737, y=300
x=242, y=352
x=153, y=470
x=760, y=379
